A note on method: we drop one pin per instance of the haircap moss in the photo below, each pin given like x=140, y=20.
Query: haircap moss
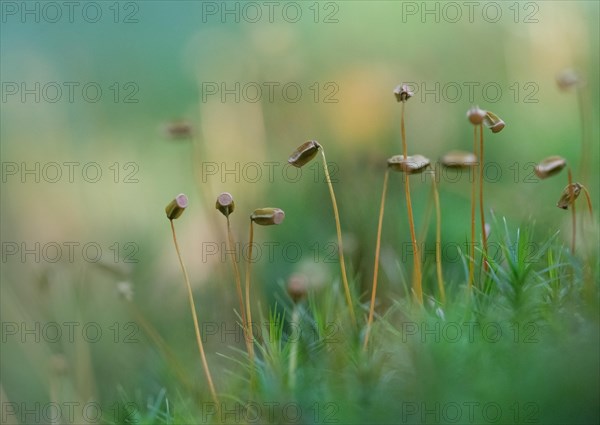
x=414, y=164
x=493, y=122
x=176, y=207
x=304, y=154
x=267, y=216
x=403, y=93
x=476, y=115
x=565, y=198
x=225, y=203
x=550, y=166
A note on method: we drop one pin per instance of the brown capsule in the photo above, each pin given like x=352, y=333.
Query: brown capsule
x=565, y=199
x=225, y=203
x=475, y=115
x=297, y=287
x=403, y=93
x=305, y=152
x=493, y=122
x=498, y=126
x=267, y=216
x=175, y=208
x=550, y=166
x=411, y=165
x=459, y=159
x=567, y=79
x=178, y=130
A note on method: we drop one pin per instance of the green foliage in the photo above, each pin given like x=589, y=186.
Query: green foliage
x=522, y=348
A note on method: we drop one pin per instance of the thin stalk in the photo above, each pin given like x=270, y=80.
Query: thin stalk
x=238, y=284
x=572, y=202
x=481, y=210
x=339, y=237
x=249, y=333
x=376, y=266
x=293, y=349
x=434, y=200
x=427, y=218
x=403, y=134
x=588, y=200
x=438, y=241
x=417, y=287
x=583, y=165
x=472, y=245
x=573, y=213
x=588, y=280
x=211, y=386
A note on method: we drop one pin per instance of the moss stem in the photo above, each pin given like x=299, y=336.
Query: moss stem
x=249, y=334
x=588, y=200
x=481, y=209
x=573, y=212
x=238, y=284
x=473, y=188
x=438, y=241
x=376, y=266
x=339, y=237
x=211, y=386
x=417, y=285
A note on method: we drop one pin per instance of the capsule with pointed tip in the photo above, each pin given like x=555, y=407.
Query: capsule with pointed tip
x=304, y=154
x=267, y=216
x=176, y=207
x=565, y=198
x=550, y=166
x=414, y=164
x=403, y=93
x=225, y=203
x=476, y=115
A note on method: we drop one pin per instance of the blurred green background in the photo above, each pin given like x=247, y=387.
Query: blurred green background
x=356, y=53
